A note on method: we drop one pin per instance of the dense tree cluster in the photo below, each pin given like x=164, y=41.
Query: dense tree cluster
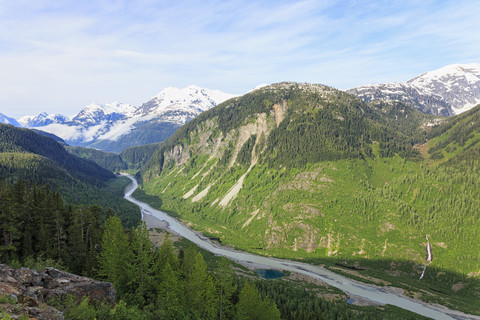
x=18, y=140
x=34, y=221
x=457, y=136
x=245, y=154
x=298, y=303
x=167, y=285
x=340, y=127
x=29, y=166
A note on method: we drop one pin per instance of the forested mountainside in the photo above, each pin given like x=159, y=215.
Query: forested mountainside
x=38, y=159
x=50, y=135
x=110, y=161
x=292, y=170
x=24, y=141
x=309, y=172
x=136, y=157
x=456, y=139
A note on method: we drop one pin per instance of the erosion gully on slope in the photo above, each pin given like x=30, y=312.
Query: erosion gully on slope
x=353, y=288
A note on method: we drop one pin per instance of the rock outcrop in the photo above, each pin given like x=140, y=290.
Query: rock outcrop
x=28, y=292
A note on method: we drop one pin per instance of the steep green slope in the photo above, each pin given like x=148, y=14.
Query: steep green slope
x=456, y=139
x=26, y=155
x=18, y=140
x=107, y=160
x=29, y=166
x=136, y=157
x=309, y=172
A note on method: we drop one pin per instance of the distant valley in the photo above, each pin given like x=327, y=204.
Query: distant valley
x=379, y=183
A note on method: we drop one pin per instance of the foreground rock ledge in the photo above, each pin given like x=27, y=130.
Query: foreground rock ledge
x=30, y=292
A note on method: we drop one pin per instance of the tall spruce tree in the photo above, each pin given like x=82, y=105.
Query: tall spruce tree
x=141, y=278
x=225, y=288
x=251, y=306
x=115, y=254
x=171, y=298
x=8, y=224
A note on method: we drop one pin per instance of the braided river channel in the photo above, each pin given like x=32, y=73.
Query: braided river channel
x=354, y=289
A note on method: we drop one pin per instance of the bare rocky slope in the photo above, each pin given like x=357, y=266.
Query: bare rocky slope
x=31, y=293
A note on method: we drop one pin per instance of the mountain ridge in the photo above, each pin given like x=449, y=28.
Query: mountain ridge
x=113, y=127
x=305, y=171
x=116, y=126
x=447, y=91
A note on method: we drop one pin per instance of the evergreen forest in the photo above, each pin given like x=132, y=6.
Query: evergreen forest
x=308, y=172
x=296, y=171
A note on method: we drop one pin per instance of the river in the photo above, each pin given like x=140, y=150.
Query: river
x=353, y=288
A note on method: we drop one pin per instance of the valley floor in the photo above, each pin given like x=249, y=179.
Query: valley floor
x=355, y=289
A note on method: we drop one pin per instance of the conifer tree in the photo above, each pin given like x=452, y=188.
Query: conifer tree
x=251, y=306
x=166, y=254
x=8, y=224
x=225, y=289
x=200, y=288
x=188, y=261
x=171, y=297
x=112, y=261
x=23, y=197
x=140, y=273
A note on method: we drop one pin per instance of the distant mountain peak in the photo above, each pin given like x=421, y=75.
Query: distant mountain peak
x=95, y=113
x=449, y=90
x=469, y=72
x=7, y=120
x=189, y=101
x=104, y=125
x=42, y=119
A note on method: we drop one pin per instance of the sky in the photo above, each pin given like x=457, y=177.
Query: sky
x=58, y=56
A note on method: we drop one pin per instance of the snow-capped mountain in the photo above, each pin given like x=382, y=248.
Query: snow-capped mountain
x=446, y=91
x=116, y=126
x=43, y=119
x=8, y=120
x=181, y=105
x=94, y=113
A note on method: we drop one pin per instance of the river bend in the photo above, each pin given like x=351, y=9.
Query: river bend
x=375, y=294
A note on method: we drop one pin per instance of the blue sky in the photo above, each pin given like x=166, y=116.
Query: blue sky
x=57, y=56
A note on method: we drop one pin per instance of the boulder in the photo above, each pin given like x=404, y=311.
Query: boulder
x=29, y=292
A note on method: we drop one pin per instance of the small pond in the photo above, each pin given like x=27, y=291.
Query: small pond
x=270, y=274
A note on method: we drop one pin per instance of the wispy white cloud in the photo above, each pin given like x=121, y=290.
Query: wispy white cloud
x=59, y=55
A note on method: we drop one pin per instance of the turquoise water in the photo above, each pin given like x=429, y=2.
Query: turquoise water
x=270, y=274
